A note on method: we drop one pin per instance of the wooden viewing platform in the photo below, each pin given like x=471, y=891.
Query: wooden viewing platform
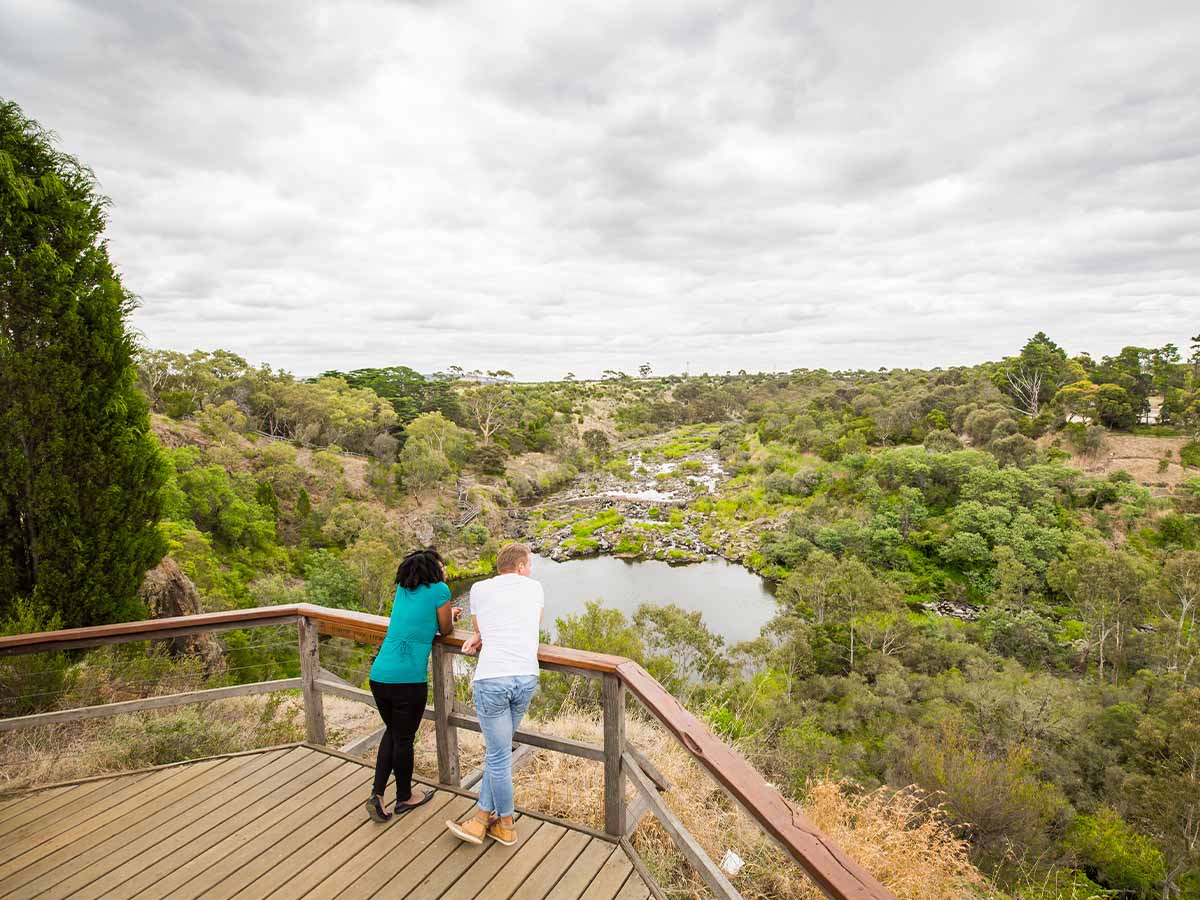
x=285, y=822
x=288, y=822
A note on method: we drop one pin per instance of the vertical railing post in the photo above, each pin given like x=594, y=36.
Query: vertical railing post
x=310, y=668
x=443, y=705
x=614, y=746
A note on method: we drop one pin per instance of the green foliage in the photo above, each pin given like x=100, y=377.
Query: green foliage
x=213, y=501
x=997, y=797
x=434, y=448
x=409, y=392
x=682, y=652
x=31, y=682
x=1121, y=858
x=80, y=475
x=330, y=581
x=1189, y=454
x=587, y=526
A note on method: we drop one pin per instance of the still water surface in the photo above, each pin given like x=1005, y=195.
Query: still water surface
x=734, y=602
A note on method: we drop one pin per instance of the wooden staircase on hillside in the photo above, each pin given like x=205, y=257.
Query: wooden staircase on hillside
x=467, y=511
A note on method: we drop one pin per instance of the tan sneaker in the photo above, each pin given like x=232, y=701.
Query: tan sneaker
x=502, y=833
x=472, y=831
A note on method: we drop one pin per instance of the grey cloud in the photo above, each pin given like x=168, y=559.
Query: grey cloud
x=587, y=185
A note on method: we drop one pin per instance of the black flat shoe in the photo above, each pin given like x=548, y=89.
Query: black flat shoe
x=376, y=811
x=402, y=808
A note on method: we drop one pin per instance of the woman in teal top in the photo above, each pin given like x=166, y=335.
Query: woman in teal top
x=421, y=609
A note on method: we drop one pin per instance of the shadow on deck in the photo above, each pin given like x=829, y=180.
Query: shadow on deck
x=285, y=822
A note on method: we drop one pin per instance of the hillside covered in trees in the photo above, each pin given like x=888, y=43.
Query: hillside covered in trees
x=975, y=597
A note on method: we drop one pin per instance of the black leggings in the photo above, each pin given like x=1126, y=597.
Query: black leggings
x=401, y=707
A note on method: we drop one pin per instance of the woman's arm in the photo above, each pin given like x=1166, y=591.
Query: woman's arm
x=445, y=618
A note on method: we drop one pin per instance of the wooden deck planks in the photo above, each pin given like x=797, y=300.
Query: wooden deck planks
x=195, y=822
x=66, y=829
x=435, y=882
x=610, y=878
x=247, y=809
x=398, y=844
x=634, y=889
x=18, y=804
x=492, y=861
x=422, y=856
x=335, y=849
x=519, y=866
x=583, y=870
x=37, y=806
x=77, y=850
x=47, y=820
x=542, y=880
x=285, y=823
x=81, y=864
x=240, y=857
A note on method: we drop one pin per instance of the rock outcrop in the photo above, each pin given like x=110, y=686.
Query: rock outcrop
x=168, y=592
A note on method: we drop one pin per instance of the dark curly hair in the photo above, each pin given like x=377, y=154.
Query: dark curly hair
x=419, y=568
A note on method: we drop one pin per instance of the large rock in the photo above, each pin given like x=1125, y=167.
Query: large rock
x=169, y=593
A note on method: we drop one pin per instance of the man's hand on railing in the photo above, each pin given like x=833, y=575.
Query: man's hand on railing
x=472, y=644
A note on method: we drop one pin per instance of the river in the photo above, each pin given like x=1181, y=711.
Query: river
x=734, y=602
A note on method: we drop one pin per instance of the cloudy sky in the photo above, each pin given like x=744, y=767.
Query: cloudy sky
x=554, y=186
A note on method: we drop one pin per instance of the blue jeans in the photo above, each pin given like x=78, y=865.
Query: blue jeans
x=500, y=703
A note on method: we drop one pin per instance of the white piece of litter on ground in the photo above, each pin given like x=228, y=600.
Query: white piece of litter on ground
x=731, y=864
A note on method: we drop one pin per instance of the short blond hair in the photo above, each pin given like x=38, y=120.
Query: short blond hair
x=511, y=556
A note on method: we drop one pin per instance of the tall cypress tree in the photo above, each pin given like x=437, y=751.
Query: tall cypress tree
x=80, y=473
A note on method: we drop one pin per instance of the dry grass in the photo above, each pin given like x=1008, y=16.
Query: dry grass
x=896, y=836
x=1139, y=455
x=72, y=750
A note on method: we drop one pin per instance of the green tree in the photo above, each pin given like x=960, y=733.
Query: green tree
x=490, y=409
x=80, y=474
x=1114, y=407
x=434, y=447
x=1178, y=602
x=409, y=392
x=841, y=590
x=1105, y=586
x=1032, y=378
x=597, y=443
x=1122, y=859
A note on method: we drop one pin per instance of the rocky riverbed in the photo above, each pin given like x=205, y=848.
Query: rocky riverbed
x=636, y=510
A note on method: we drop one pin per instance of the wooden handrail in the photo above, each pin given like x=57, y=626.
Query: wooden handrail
x=826, y=863
x=123, y=632
x=362, y=626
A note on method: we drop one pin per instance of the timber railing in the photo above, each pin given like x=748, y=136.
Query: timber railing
x=825, y=863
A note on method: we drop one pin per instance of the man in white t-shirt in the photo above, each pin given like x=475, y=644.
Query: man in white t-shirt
x=507, y=615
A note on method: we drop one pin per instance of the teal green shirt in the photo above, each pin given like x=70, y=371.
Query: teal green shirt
x=404, y=656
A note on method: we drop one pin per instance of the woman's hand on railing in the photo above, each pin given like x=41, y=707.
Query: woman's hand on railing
x=472, y=644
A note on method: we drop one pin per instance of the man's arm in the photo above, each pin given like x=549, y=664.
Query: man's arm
x=474, y=643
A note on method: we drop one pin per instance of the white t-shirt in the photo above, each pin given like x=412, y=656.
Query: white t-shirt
x=508, y=611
